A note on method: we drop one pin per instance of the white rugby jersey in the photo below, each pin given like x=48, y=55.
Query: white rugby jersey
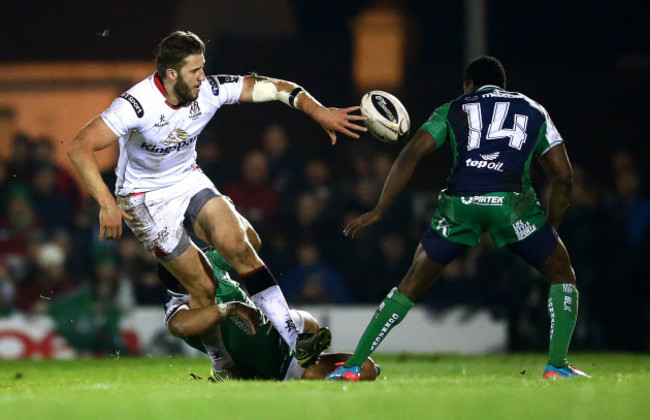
x=158, y=139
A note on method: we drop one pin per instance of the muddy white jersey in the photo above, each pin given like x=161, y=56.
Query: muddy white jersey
x=158, y=140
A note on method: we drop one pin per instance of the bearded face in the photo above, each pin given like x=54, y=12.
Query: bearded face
x=190, y=76
x=184, y=92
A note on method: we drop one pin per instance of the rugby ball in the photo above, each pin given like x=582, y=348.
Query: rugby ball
x=387, y=118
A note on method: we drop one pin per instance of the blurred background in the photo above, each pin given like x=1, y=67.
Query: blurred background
x=64, y=293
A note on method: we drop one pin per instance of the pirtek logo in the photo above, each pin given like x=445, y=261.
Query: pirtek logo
x=482, y=200
x=494, y=166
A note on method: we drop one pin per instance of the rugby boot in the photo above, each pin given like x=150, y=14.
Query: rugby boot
x=310, y=346
x=552, y=372
x=342, y=373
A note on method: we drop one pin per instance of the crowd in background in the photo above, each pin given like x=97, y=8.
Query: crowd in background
x=299, y=204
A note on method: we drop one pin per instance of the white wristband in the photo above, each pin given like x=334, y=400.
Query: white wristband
x=264, y=90
x=227, y=309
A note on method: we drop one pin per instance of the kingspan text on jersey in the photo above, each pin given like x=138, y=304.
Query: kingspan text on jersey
x=165, y=150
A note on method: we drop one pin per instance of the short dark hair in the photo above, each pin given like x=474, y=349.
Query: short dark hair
x=174, y=49
x=486, y=70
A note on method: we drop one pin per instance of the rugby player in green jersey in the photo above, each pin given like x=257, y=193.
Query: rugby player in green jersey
x=494, y=135
x=240, y=341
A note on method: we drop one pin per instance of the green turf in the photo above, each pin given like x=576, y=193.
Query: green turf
x=410, y=387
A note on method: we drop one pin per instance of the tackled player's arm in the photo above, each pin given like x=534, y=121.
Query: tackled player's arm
x=262, y=89
x=96, y=136
x=400, y=173
x=556, y=166
x=191, y=322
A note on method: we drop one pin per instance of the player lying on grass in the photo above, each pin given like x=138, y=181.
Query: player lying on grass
x=240, y=341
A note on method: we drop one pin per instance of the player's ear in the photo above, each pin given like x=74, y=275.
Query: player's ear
x=171, y=74
x=468, y=86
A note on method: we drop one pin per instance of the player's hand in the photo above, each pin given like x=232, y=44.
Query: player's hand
x=110, y=221
x=341, y=120
x=248, y=313
x=361, y=222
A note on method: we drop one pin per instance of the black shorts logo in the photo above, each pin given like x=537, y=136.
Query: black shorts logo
x=139, y=111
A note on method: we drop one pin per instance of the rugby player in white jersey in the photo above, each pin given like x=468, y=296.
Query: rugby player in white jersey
x=156, y=124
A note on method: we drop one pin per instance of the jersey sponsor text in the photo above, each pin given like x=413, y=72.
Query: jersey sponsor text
x=482, y=200
x=480, y=164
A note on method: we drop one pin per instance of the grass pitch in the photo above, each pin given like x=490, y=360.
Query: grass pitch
x=410, y=387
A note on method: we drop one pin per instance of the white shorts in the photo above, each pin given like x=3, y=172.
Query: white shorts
x=295, y=371
x=158, y=215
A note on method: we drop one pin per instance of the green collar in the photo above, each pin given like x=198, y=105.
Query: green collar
x=488, y=87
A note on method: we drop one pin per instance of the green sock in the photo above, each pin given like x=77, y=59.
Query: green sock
x=391, y=312
x=563, y=310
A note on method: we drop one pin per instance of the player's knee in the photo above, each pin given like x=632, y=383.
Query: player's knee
x=409, y=289
x=176, y=329
x=234, y=247
x=564, y=276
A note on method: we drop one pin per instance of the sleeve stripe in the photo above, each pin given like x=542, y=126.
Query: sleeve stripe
x=551, y=145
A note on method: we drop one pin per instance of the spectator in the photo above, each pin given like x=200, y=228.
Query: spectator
x=147, y=288
x=53, y=208
x=208, y=157
x=311, y=223
x=399, y=215
x=318, y=181
x=5, y=185
x=134, y=283
x=284, y=165
x=627, y=215
x=391, y=262
x=20, y=165
x=254, y=196
x=65, y=185
x=49, y=280
x=19, y=228
x=7, y=290
x=312, y=280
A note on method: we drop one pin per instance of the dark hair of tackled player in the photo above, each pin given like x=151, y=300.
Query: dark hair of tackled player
x=486, y=71
x=173, y=50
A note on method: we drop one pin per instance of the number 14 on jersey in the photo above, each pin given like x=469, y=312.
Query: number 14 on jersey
x=516, y=134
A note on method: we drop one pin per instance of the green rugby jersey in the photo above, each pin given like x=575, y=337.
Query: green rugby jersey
x=264, y=355
x=494, y=135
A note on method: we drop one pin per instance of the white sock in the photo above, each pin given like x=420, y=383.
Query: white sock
x=216, y=349
x=272, y=303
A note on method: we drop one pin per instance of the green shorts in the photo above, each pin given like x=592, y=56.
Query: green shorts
x=508, y=217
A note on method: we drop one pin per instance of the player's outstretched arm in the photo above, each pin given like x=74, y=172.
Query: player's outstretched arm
x=557, y=167
x=191, y=322
x=93, y=137
x=263, y=89
x=420, y=145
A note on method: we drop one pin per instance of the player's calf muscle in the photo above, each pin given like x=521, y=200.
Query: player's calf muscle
x=246, y=261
